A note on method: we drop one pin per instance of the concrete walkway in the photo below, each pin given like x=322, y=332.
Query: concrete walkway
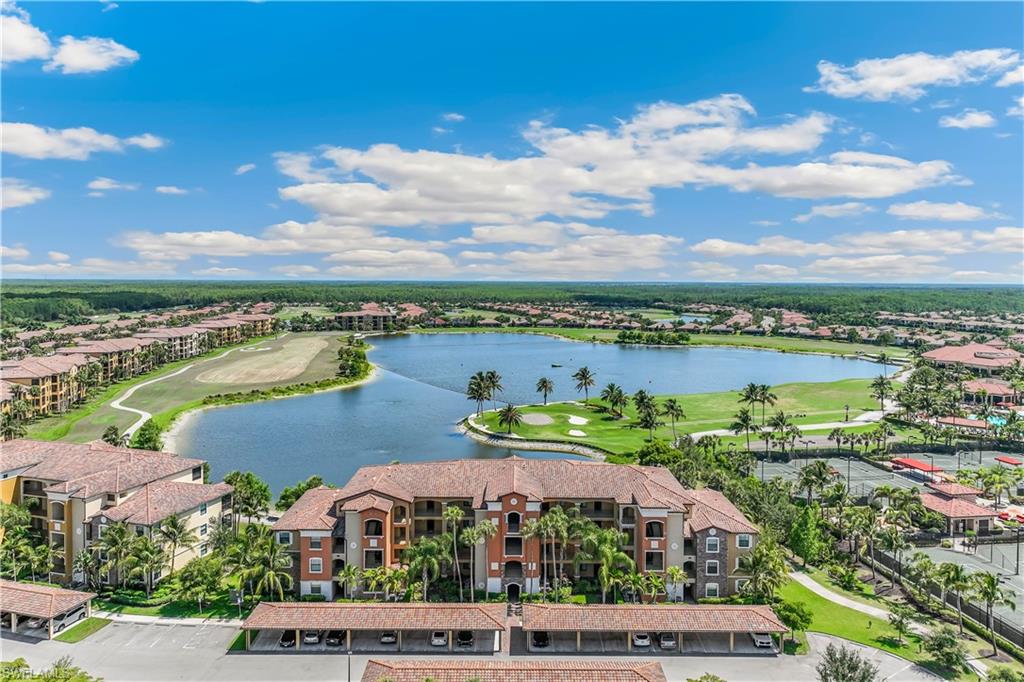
x=160, y=620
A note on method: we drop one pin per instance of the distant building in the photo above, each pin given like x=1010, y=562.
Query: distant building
x=367, y=320
x=980, y=357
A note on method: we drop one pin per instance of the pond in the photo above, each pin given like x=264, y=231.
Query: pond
x=409, y=411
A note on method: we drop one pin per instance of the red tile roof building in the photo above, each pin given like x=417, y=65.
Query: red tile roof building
x=511, y=670
x=977, y=356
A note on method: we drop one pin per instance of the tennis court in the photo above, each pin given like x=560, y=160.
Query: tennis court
x=863, y=477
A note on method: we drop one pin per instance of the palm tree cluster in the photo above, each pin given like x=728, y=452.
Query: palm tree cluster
x=483, y=387
x=994, y=481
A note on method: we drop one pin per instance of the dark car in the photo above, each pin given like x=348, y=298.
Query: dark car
x=335, y=638
x=541, y=640
x=287, y=638
x=464, y=638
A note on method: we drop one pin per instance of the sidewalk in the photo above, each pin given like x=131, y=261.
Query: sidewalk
x=146, y=620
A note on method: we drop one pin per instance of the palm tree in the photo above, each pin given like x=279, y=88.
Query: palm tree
x=674, y=411
x=349, y=578
x=374, y=578
x=485, y=531
x=635, y=582
x=545, y=387
x=425, y=558
x=654, y=585
x=174, y=531
x=750, y=395
x=615, y=397
x=510, y=416
x=814, y=476
x=584, y=382
x=113, y=436
x=533, y=529
x=245, y=554
x=893, y=541
x=477, y=391
x=147, y=558
x=676, y=576
x=765, y=397
x=954, y=578
x=87, y=563
x=743, y=422
x=604, y=547
x=881, y=388
x=11, y=427
x=766, y=568
x=41, y=558
x=116, y=543
x=470, y=538
x=453, y=515
x=986, y=588
x=492, y=380
x=923, y=570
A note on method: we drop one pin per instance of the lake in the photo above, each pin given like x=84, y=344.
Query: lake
x=408, y=413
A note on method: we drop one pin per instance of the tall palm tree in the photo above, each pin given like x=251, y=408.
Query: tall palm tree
x=453, y=515
x=654, y=585
x=88, y=564
x=470, y=538
x=923, y=569
x=954, y=578
x=533, y=529
x=881, y=388
x=349, y=578
x=425, y=559
x=674, y=411
x=485, y=531
x=986, y=588
x=545, y=387
x=492, y=380
x=175, y=532
x=750, y=396
x=147, y=558
x=634, y=581
x=814, y=477
x=743, y=422
x=765, y=397
x=676, y=576
x=765, y=568
x=374, y=578
x=116, y=544
x=41, y=558
x=615, y=397
x=510, y=416
x=477, y=391
x=584, y=382
x=272, y=575
x=894, y=541
x=604, y=547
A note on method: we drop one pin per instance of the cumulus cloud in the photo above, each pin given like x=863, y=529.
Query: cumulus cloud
x=908, y=76
x=775, y=271
x=850, y=208
x=88, y=55
x=299, y=166
x=382, y=264
x=101, y=184
x=15, y=192
x=221, y=272
x=931, y=210
x=22, y=41
x=78, y=144
x=766, y=246
x=1012, y=77
x=58, y=256
x=91, y=266
x=453, y=117
x=968, y=118
x=295, y=270
x=887, y=267
x=1016, y=109
x=13, y=252
x=245, y=168
x=1000, y=240
x=170, y=189
x=711, y=271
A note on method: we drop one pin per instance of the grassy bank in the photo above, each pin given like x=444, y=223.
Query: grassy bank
x=82, y=630
x=815, y=402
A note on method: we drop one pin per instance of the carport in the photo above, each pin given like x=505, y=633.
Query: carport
x=363, y=624
x=609, y=628
x=23, y=601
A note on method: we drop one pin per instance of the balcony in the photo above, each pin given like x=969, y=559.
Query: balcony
x=689, y=549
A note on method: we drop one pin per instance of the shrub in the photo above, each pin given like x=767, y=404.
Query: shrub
x=312, y=597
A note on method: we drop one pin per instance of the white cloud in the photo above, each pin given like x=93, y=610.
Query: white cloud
x=478, y=255
x=15, y=192
x=774, y=271
x=908, y=76
x=766, y=223
x=850, y=208
x=1012, y=77
x=91, y=266
x=1000, y=240
x=58, y=256
x=906, y=241
x=221, y=272
x=21, y=40
x=170, y=189
x=13, y=252
x=88, y=55
x=383, y=264
x=968, y=118
x=245, y=168
x=453, y=117
x=777, y=245
x=35, y=142
x=102, y=184
x=930, y=210
x=711, y=271
x=885, y=268
x=299, y=166
x=109, y=6
x=440, y=130
x=1016, y=109
x=295, y=270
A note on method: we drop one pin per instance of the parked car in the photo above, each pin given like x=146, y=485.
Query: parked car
x=335, y=638
x=464, y=638
x=34, y=623
x=438, y=638
x=541, y=639
x=667, y=640
x=388, y=637
x=287, y=638
x=641, y=639
x=762, y=640
x=5, y=619
x=69, y=618
x=311, y=636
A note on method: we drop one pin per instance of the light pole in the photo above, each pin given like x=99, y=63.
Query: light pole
x=349, y=665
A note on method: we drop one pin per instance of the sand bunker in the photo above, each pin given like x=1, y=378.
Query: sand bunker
x=537, y=419
x=287, y=362
x=577, y=421
x=576, y=433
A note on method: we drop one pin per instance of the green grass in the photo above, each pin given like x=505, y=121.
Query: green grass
x=238, y=643
x=82, y=630
x=220, y=607
x=291, y=312
x=817, y=402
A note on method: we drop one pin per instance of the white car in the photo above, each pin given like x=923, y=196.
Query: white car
x=641, y=639
x=439, y=638
x=762, y=640
x=667, y=640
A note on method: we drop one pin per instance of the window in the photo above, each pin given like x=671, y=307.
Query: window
x=373, y=528
x=512, y=522
x=711, y=567
x=284, y=538
x=314, y=588
x=655, y=529
x=203, y=549
x=202, y=509
x=654, y=561
x=315, y=543
x=140, y=531
x=316, y=565
x=711, y=590
x=711, y=545
x=202, y=529
x=743, y=541
x=197, y=473
x=513, y=546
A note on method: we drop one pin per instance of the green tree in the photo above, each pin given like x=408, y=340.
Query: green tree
x=116, y=544
x=881, y=388
x=545, y=387
x=62, y=670
x=794, y=615
x=11, y=427
x=901, y=617
x=765, y=567
x=425, y=559
x=743, y=422
x=510, y=416
x=175, y=532
x=842, y=664
x=113, y=436
x=148, y=437
x=953, y=577
x=201, y=579
x=476, y=390
x=946, y=648
x=585, y=380
x=492, y=380
x=603, y=546
x=985, y=588
x=271, y=573
x=805, y=536
x=147, y=558
x=251, y=494
x=349, y=577
x=452, y=516
x=290, y=494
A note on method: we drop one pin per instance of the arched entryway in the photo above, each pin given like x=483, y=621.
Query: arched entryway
x=512, y=592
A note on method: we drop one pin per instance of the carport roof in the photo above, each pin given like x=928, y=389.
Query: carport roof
x=650, y=618
x=39, y=601
x=340, y=616
x=401, y=670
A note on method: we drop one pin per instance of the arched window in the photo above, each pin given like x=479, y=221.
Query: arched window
x=57, y=511
x=655, y=529
x=513, y=521
x=374, y=528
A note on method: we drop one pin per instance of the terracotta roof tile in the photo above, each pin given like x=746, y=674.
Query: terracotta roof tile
x=522, y=670
x=156, y=501
x=954, y=507
x=39, y=601
x=650, y=618
x=375, y=616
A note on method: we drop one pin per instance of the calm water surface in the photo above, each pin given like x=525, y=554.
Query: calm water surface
x=409, y=412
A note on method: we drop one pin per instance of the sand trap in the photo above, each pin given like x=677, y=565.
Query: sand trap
x=286, y=362
x=576, y=433
x=537, y=419
x=577, y=421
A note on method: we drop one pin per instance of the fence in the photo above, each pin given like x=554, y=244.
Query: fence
x=1012, y=632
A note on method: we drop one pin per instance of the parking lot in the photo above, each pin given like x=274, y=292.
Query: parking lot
x=693, y=644
x=412, y=642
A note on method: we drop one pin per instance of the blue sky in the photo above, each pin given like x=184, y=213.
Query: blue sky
x=874, y=142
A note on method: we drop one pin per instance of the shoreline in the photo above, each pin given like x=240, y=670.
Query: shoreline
x=498, y=440
x=172, y=433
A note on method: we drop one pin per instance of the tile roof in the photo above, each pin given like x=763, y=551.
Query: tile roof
x=107, y=346
x=375, y=616
x=88, y=469
x=963, y=422
x=954, y=489
x=310, y=512
x=171, y=332
x=954, y=507
x=650, y=618
x=39, y=601
x=516, y=670
x=713, y=510
x=41, y=367
x=991, y=386
x=974, y=354
x=156, y=501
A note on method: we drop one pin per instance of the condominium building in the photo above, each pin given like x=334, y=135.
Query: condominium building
x=384, y=510
x=367, y=320
x=49, y=384
x=982, y=358
x=118, y=358
x=224, y=331
x=181, y=342
x=75, y=490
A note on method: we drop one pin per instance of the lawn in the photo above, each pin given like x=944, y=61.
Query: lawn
x=220, y=607
x=814, y=402
x=82, y=630
x=291, y=312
